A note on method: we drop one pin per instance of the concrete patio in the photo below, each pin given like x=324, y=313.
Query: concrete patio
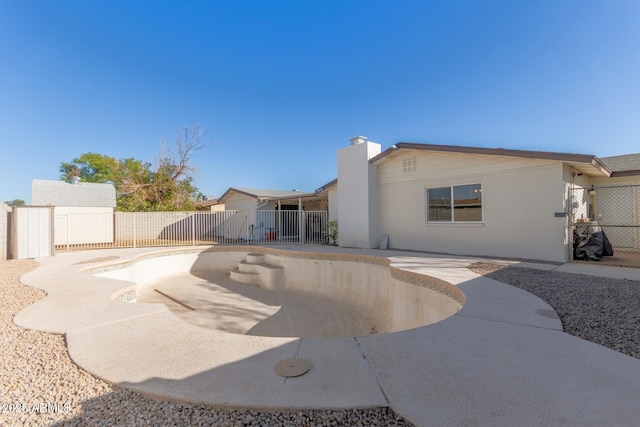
x=502, y=360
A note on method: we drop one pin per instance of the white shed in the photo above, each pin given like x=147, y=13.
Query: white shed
x=83, y=211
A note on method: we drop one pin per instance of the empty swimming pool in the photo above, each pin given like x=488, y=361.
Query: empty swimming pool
x=279, y=293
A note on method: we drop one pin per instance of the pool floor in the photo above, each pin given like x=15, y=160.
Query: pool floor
x=223, y=304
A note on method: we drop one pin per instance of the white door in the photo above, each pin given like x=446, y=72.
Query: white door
x=615, y=213
x=33, y=232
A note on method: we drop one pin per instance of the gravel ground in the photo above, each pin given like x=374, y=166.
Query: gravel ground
x=40, y=385
x=601, y=310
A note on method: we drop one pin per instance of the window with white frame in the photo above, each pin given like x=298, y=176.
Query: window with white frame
x=455, y=203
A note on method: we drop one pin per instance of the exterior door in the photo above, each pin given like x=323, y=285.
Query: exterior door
x=33, y=232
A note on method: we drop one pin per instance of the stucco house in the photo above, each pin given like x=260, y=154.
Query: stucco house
x=329, y=192
x=476, y=201
x=251, y=198
x=210, y=204
x=275, y=214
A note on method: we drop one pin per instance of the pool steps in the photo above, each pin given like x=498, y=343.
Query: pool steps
x=255, y=270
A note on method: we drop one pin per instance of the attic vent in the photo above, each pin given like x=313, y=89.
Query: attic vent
x=409, y=165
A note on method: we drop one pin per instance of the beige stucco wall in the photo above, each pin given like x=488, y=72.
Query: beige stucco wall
x=333, y=204
x=520, y=199
x=577, y=204
x=239, y=202
x=622, y=180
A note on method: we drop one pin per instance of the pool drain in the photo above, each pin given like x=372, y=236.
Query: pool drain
x=293, y=367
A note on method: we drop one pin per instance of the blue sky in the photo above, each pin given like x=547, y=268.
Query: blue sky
x=280, y=86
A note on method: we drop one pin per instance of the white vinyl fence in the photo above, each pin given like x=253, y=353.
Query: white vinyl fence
x=137, y=229
x=83, y=226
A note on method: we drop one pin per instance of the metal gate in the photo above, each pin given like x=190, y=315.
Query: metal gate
x=88, y=230
x=615, y=209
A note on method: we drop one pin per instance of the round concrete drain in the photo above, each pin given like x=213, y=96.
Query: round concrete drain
x=294, y=367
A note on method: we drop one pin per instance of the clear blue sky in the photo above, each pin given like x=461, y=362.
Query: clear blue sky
x=281, y=85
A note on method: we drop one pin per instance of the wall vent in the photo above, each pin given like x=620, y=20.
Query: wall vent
x=409, y=165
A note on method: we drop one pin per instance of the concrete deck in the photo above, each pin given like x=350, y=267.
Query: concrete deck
x=502, y=360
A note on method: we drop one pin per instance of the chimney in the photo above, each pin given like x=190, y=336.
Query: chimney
x=357, y=194
x=358, y=140
x=75, y=179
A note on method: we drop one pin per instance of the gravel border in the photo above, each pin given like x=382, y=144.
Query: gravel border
x=598, y=309
x=40, y=385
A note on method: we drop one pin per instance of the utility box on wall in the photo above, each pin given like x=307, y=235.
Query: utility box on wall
x=32, y=232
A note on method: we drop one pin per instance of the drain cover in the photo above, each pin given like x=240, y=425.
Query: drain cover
x=294, y=367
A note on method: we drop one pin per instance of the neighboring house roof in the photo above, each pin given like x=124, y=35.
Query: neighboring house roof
x=327, y=186
x=83, y=194
x=259, y=194
x=208, y=202
x=625, y=165
x=583, y=162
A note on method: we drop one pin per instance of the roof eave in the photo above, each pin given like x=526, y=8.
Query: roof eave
x=546, y=155
x=292, y=197
x=327, y=186
x=599, y=164
x=222, y=198
x=625, y=173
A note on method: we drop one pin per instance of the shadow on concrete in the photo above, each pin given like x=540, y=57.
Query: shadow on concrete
x=240, y=387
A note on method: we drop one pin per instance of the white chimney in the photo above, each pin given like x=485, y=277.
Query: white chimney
x=358, y=140
x=357, y=194
x=75, y=179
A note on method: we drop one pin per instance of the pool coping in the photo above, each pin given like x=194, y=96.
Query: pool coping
x=460, y=370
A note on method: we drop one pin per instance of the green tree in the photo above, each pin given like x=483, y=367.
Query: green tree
x=140, y=186
x=90, y=167
x=16, y=202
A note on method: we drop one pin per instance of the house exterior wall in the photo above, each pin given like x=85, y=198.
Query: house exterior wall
x=246, y=207
x=239, y=202
x=620, y=180
x=333, y=204
x=577, y=196
x=576, y=187
x=519, y=200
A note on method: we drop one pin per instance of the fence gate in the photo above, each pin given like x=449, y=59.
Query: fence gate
x=616, y=211
x=32, y=232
